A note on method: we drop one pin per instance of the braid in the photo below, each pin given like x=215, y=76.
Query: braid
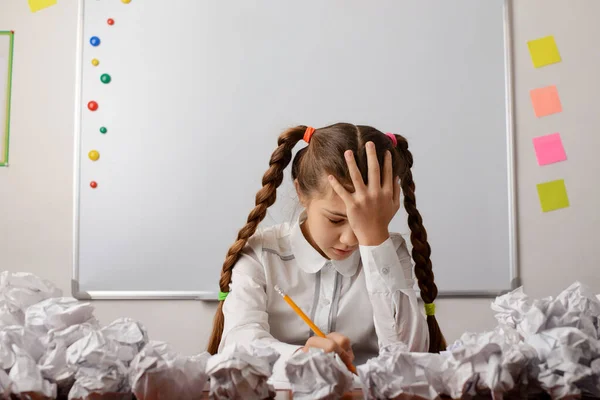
x=265, y=198
x=421, y=251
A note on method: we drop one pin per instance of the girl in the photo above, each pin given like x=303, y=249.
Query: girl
x=338, y=261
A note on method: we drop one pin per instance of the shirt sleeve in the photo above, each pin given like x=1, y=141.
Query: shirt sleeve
x=245, y=311
x=389, y=278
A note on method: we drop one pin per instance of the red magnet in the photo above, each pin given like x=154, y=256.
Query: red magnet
x=93, y=184
x=110, y=21
x=93, y=106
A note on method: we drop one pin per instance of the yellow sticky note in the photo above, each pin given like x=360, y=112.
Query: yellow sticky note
x=37, y=5
x=553, y=195
x=543, y=51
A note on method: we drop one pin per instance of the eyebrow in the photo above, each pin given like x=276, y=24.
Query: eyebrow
x=336, y=213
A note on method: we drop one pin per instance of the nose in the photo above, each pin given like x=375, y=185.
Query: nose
x=348, y=237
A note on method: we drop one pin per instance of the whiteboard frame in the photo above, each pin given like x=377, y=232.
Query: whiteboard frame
x=515, y=280
x=5, y=124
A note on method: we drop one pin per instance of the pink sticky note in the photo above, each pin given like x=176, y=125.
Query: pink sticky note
x=545, y=101
x=549, y=149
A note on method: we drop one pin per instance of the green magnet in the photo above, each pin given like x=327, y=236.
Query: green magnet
x=103, y=130
x=105, y=78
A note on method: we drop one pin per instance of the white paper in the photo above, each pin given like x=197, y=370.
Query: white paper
x=53, y=363
x=25, y=289
x=10, y=314
x=242, y=373
x=316, y=375
x=397, y=372
x=6, y=384
x=560, y=338
x=22, y=338
x=73, y=333
x=27, y=377
x=99, y=368
x=158, y=372
x=109, y=381
x=130, y=334
x=57, y=313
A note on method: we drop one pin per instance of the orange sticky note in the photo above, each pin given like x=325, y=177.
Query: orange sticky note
x=543, y=51
x=545, y=101
x=37, y=5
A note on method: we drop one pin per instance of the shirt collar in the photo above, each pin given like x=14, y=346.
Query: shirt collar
x=311, y=261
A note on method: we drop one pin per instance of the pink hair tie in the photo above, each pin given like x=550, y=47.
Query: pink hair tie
x=392, y=138
x=308, y=133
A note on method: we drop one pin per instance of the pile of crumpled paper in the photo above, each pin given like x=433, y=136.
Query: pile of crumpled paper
x=546, y=347
x=53, y=347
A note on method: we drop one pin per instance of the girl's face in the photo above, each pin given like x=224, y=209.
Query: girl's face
x=326, y=227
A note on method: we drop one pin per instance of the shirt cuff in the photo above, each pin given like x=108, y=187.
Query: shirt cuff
x=286, y=351
x=384, y=271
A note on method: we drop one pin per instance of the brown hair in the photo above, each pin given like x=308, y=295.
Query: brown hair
x=325, y=155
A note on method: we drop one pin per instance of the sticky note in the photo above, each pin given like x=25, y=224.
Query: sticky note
x=37, y=5
x=553, y=195
x=545, y=101
x=549, y=149
x=543, y=51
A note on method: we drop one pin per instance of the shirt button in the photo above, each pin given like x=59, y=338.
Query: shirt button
x=385, y=270
x=325, y=302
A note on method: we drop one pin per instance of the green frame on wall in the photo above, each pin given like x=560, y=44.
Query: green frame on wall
x=6, y=124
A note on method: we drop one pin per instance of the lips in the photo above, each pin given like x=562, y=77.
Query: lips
x=343, y=252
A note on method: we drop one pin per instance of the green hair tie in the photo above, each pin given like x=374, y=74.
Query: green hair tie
x=430, y=309
x=223, y=295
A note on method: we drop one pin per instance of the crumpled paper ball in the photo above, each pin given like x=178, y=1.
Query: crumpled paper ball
x=157, y=372
x=241, y=372
x=316, y=375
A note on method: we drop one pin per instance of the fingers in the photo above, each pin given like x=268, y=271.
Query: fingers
x=388, y=173
x=343, y=342
x=328, y=345
x=373, y=164
x=397, y=192
x=340, y=190
x=331, y=346
x=355, y=175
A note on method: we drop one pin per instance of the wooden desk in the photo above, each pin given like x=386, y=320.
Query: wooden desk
x=287, y=395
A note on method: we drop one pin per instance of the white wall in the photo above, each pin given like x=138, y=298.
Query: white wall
x=556, y=248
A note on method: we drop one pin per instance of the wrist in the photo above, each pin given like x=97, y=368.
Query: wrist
x=373, y=238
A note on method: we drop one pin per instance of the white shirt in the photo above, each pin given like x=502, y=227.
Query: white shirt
x=368, y=297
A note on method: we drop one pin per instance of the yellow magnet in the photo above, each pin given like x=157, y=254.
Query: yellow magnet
x=126, y=1
x=95, y=62
x=94, y=155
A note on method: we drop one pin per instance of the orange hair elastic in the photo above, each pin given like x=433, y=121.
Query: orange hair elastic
x=308, y=134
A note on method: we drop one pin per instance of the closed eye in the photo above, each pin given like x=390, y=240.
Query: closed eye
x=335, y=221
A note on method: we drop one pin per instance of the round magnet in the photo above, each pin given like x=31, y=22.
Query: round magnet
x=103, y=130
x=95, y=41
x=105, y=78
x=110, y=21
x=94, y=155
x=126, y=1
x=95, y=62
x=93, y=106
x=93, y=184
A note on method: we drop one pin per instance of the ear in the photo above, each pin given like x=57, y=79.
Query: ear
x=301, y=196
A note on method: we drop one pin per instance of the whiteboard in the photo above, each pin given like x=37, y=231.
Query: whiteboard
x=200, y=91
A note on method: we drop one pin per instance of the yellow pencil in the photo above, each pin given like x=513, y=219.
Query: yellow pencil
x=308, y=321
